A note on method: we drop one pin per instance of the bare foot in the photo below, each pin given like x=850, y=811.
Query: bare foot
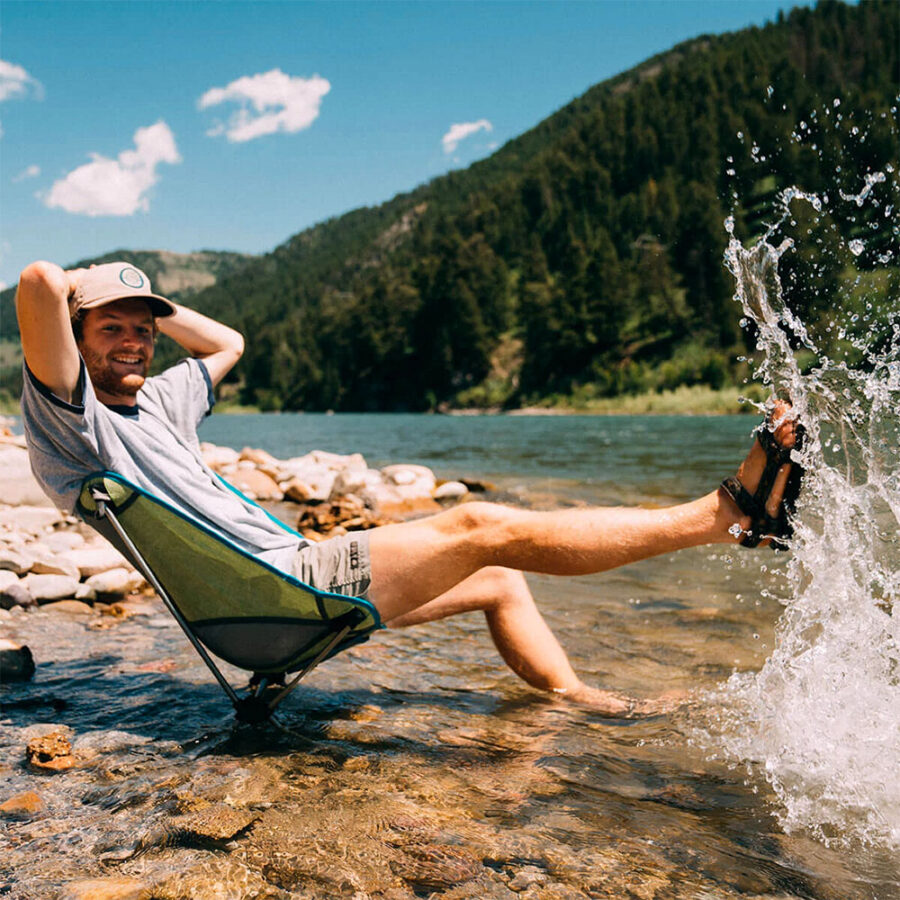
x=621, y=706
x=735, y=522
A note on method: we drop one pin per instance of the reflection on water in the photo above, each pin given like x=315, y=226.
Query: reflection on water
x=416, y=764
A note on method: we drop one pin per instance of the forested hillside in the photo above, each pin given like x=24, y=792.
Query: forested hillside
x=585, y=257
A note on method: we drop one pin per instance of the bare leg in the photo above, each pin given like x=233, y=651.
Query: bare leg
x=414, y=562
x=523, y=638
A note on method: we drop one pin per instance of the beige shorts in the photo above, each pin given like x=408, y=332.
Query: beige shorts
x=340, y=565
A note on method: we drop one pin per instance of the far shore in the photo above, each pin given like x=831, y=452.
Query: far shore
x=697, y=400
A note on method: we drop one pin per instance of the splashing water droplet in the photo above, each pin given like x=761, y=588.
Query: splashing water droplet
x=856, y=247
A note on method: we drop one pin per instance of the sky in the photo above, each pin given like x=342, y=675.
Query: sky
x=233, y=125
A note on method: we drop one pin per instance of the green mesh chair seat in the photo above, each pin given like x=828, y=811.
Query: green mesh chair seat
x=243, y=610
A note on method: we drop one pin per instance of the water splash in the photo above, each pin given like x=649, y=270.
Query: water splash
x=821, y=720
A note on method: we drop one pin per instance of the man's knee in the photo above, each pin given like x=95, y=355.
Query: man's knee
x=506, y=587
x=476, y=516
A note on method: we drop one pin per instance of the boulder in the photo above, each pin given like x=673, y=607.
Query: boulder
x=7, y=578
x=16, y=661
x=16, y=596
x=62, y=541
x=354, y=479
x=218, y=457
x=92, y=560
x=15, y=560
x=18, y=485
x=408, y=475
x=257, y=485
x=70, y=608
x=115, y=581
x=22, y=804
x=31, y=518
x=297, y=490
x=50, y=587
x=450, y=490
x=258, y=458
x=55, y=565
x=389, y=501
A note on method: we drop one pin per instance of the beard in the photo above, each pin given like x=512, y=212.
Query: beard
x=104, y=377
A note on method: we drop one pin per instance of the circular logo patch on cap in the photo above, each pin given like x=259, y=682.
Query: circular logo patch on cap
x=131, y=278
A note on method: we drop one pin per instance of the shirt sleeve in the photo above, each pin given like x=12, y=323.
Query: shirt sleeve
x=183, y=395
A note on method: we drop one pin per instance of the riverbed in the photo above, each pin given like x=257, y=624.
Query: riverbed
x=417, y=765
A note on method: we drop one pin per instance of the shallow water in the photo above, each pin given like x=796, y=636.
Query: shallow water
x=417, y=764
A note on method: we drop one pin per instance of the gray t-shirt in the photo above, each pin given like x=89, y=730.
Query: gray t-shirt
x=154, y=445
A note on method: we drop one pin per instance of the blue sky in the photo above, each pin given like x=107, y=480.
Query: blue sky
x=233, y=125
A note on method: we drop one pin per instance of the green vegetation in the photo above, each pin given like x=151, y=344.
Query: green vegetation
x=581, y=264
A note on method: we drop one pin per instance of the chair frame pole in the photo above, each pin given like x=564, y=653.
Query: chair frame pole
x=105, y=511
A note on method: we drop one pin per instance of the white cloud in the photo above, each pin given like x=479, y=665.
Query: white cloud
x=270, y=102
x=460, y=131
x=16, y=82
x=29, y=172
x=116, y=187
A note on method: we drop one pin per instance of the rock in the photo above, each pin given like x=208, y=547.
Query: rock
x=17, y=561
x=258, y=458
x=218, y=457
x=50, y=587
x=478, y=487
x=16, y=661
x=389, y=500
x=18, y=486
x=52, y=752
x=256, y=484
x=218, y=822
x=55, y=565
x=118, y=887
x=7, y=578
x=114, y=581
x=352, y=480
x=94, y=560
x=338, y=516
x=16, y=596
x=31, y=518
x=62, y=541
x=22, y=804
x=450, y=490
x=297, y=490
x=408, y=474
x=70, y=608
x=527, y=877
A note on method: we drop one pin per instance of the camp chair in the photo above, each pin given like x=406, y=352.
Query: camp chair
x=226, y=601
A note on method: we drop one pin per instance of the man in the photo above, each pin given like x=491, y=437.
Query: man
x=88, y=405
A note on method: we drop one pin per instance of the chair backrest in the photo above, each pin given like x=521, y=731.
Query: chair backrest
x=245, y=611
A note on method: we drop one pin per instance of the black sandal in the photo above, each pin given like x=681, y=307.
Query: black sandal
x=762, y=525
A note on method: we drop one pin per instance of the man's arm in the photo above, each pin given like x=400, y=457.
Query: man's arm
x=47, y=340
x=219, y=346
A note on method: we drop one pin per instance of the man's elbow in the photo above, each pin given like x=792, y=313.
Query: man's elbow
x=42, y=278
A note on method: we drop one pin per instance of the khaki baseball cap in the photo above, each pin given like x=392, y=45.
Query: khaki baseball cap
x=116, y=281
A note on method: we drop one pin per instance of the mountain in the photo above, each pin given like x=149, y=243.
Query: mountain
x=584, y=258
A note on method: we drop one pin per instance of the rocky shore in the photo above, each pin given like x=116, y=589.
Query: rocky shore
x=53, y=561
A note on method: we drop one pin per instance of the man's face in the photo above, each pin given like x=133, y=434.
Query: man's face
x=117, y=346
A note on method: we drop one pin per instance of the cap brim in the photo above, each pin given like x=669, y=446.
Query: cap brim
x=159, y=306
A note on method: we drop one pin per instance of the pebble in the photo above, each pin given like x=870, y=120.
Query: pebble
x=15, y=561
x=55, y=565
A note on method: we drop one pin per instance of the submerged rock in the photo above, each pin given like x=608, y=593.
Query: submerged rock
x=16, y=661
x=24, y=804
x=115, y=888
x=52, y=752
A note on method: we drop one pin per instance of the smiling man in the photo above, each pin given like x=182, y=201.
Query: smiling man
x=88, y=405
